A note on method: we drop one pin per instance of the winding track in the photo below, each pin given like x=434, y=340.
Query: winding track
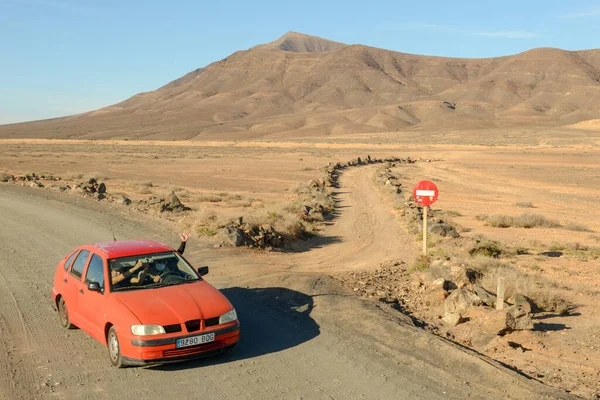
x=302, y=337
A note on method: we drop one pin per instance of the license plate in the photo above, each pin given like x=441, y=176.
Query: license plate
x=196, y=340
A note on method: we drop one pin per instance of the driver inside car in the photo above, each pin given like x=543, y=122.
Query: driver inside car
x=118, y=275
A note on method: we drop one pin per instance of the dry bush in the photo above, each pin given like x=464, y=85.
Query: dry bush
x=486, y=248
x=524, y=204
x=287, y=223
x=208, y=198
x=525, y=220
x=422, y=263
x=576, y=227
x=206, y=231
x=545, y=294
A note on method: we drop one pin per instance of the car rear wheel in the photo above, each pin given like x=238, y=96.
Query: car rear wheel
x=63, y=313
x=114, y=349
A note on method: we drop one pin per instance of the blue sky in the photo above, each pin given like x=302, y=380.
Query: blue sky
x=61, y=57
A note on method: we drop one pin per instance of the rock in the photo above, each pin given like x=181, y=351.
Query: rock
x=452, y=319
x=235, y=236
x=101, y=188
x=172, y=204
x=500, y=322
x=459, y=275
x=518, y=318
x=522, y=302
x=435, y=294
x=486, y=297
x=64, y=188
x=461, y=300
x=480, y=340
x=6, y=177
x=153, y=201
x=36, y=184
x=493, y=322
x=98, y=196
x=444, y=230
x=123, y=200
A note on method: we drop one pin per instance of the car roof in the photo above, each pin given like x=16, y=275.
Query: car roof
x=126, y=248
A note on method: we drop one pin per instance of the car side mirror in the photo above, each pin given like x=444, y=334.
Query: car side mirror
x=94, y=287
x=203, y=270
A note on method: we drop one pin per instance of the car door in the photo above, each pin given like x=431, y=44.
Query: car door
x=90, y=303
x=61, y=277
x=72, y=284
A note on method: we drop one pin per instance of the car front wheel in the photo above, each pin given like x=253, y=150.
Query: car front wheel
x=114, y=349
x=63, y=313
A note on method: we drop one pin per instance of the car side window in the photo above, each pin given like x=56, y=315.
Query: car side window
x=70, y=260
x=95, y=272
x=79, y=264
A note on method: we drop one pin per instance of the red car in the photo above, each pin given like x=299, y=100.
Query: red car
x=144, y=301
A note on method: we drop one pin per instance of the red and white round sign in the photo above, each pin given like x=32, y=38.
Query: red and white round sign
x=425, y=193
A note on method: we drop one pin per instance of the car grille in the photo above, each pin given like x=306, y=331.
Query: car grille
x=172, y=328
x=211, y=321
x=186, y=351
x=193, y=325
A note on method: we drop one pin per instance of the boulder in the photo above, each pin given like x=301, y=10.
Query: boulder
x=480, y=340
x=522, y=302
x=172, y=204
x=123, y=200
x=486, y=297
x=235, y=236
x=500, y=322
x=461, y=300
x=6, y=177
x=518, y=318
x=101, y=188
x=453, y=319
x=435, y=294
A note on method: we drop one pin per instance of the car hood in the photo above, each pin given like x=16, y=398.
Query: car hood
x=175, y=304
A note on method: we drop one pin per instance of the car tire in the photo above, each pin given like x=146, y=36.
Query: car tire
x=63, y=314
x=114, y=348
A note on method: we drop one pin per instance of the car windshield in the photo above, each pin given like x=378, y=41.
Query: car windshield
x=150, y=271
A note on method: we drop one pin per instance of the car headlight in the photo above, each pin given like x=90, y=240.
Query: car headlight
x=228, y=317
x=147, y=330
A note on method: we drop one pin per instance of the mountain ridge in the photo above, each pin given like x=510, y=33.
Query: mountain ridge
x=301, y=85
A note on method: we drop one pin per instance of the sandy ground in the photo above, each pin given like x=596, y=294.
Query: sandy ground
x=302, y=337
x=561, y=181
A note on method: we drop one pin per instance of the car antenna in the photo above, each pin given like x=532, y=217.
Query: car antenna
x=112, y=231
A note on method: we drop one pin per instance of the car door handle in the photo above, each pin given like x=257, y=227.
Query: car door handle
x=65, y=280
x=81, y=291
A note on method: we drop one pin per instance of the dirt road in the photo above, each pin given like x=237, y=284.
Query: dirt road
x=303, y=337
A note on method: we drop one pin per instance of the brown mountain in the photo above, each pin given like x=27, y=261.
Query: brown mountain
x=302, y=85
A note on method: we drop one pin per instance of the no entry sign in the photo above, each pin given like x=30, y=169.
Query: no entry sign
x=425, y=193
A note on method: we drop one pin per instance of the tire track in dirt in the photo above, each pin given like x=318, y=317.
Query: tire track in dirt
x=364, y=232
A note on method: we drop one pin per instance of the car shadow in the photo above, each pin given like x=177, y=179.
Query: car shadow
x=271, y=319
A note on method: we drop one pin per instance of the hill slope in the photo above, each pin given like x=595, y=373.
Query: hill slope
x=301, y=85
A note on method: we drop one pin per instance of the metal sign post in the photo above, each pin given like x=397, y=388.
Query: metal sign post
x=425, y=194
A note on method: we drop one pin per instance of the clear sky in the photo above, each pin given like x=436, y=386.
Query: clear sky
x=61, y=57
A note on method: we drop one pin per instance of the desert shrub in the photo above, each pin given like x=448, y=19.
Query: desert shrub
x=576, y=227
x=209, y=198
x=420, y=264
x=525, y=220
x=206, y=231
x=486, y=248
x=545, y=294
x=524, y=204
x=481, y=217
x=499, y=221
